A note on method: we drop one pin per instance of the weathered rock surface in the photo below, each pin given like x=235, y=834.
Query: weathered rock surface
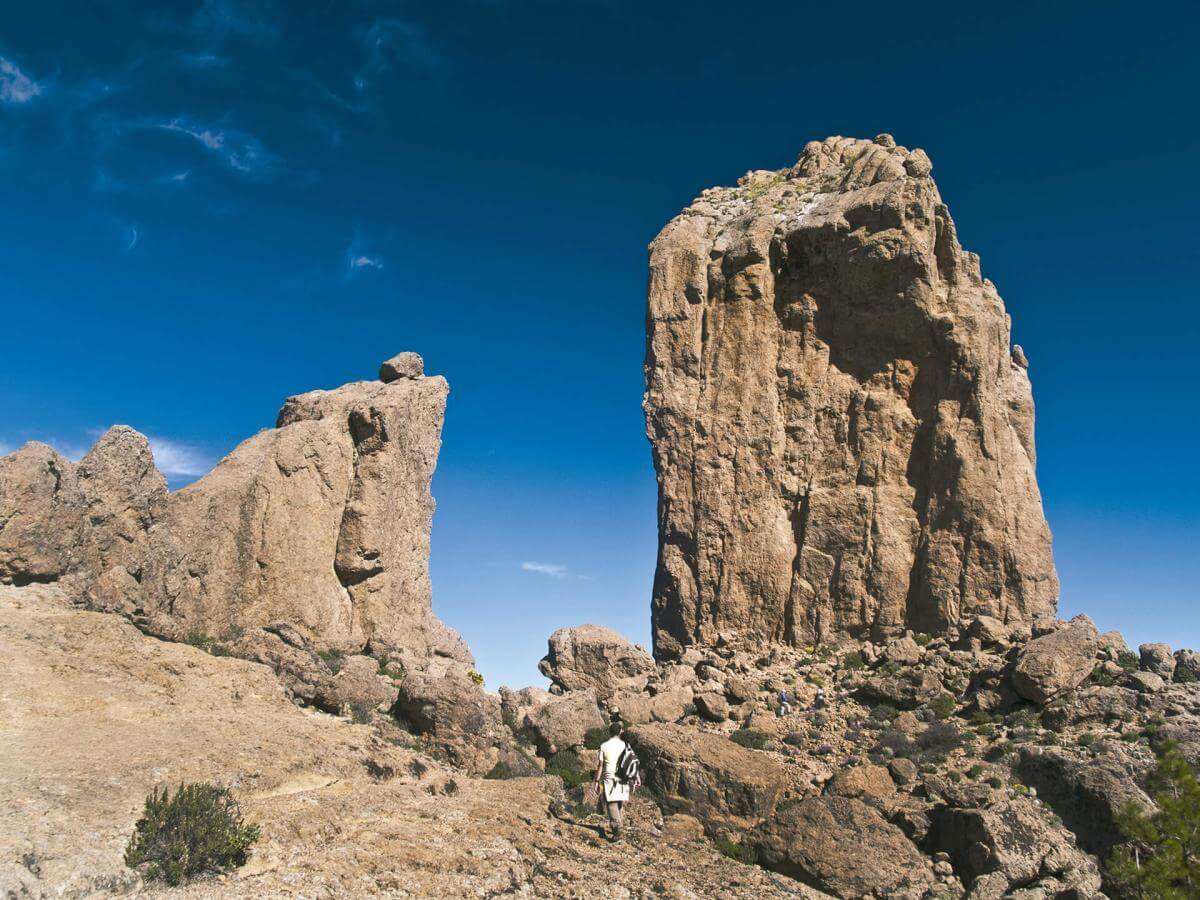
x=561, y=723
x=1058, y=661
x=310, y=536
x=1157, y=658
x=591, y=656
x=95, y=715
x=843, y=846
x=707, y=776
x=842, y=432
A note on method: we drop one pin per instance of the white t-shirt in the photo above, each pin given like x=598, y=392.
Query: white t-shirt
x=610, y=755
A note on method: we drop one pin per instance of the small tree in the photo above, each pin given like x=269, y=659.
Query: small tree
x=1162, y=856
x=197, y=830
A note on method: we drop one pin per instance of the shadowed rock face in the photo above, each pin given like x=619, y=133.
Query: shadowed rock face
x=842, y=432
x=309, y=536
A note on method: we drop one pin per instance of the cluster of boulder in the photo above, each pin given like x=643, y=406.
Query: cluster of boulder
x=984, y=762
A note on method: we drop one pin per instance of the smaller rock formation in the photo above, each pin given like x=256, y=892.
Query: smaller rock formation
x=591, y=656
x=1058, y=661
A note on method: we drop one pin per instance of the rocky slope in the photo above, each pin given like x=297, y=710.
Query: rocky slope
x=989, y=761
x=842, y=432
x=94, y=715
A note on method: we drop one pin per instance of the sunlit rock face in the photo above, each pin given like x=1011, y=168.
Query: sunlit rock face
x=842, y=430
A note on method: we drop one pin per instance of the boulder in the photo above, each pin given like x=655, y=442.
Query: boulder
x=402, y=365
x=905, y=689
x=988, y=630
x=1014, y=839
x=841, y=428
x=1093, y=704
x=903, y=651
x=591, y=656
x=867, y=782
x=1187, y=665
x=1157, y=658
x=1145, y=682
x=1113, y=643
x=1088, y=794
x=708, y=776
x=843, y=846
x=712, y=706
x=358, y=687
x=562, y=722
x=1058, y=661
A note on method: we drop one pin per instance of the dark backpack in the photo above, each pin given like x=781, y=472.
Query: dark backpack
x=628, y=766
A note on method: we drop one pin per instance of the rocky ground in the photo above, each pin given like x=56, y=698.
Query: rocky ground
x=94, y=715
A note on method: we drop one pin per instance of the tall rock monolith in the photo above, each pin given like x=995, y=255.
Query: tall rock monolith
x=841, y=427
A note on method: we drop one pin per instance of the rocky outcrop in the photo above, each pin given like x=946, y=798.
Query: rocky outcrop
x=843, y=846
x=1057, y=662
x=309, y=538
x=591, y=656
x=707, y=776
x=842, y=431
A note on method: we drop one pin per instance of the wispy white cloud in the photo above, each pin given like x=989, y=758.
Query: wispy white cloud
x=131, y=237
x=365, y=262
x=240, y=151
x=554, y=570
x=392, y=43
x=177, y=459
x=15, y=86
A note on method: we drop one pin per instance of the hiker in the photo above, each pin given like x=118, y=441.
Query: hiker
x=617, y=776
x=819, y=700
x=785, y=703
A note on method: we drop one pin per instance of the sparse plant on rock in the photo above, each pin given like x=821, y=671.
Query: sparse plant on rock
x=197, y=829
x=750, y=738
x=476, y=677
x=942, y=706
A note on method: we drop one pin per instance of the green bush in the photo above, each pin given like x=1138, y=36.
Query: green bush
x=1128, y=661
x=566, y=765
x=207, y=643
x=975, y=771
x=594, y=737
x=734, y=850
x=1087, y=739
x=1162, y=856
x=1185, y=676
x=884, y=712
x=922, y=639
x=999, y=751
x=198, y=829
x=750, y=738
x=853, y=661
x=1024, y=717
x=1101, y=678
x=333, y=658
x=942, y=705
x=475, y=677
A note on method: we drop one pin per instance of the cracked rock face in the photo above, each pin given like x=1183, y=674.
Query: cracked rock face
x=312, y=535
x=842, y=430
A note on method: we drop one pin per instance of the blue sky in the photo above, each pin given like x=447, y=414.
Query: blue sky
x=211, y=206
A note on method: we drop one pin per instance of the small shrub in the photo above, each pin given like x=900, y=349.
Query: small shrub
x=899, y=743
x=750, y=738
x=892, y=667
x=853, y=661
x=734, y=850
x=198, y=829
x=787, y=804
x=994, y=781
x=1088, y=738
x=981, y=717
x=884, y=712
x=942, y=705
x=1049, y=739
x=566, y=765
x=1024, y=717
x=922, y=639
x=594, y=737
x=207, y=643
x=1128, y=661
x=508, y=716
x=999, y=750
x=1185, y=676
x=940, y=739
x=361, y=713
x=975, y=771
x=1101, y=678
x=334, y=658
x=501, y=771
x=475, y=677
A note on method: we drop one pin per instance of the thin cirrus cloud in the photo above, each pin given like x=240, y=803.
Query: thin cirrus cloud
x=240, y=151
x=365, y=262
x=176, y=459
x=16, y=87
x=554, y=570
x=392, y=43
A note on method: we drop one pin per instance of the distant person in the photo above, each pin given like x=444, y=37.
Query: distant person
x=785, y=702
x=819, y=700
x=617, y=776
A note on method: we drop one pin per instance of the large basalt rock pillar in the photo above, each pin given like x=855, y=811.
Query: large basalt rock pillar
x=842, y=431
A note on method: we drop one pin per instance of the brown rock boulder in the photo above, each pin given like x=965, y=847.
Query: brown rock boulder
x=41, y=518
x=842, y=431
x=561, y=723
x=843, y=846
x=1058, y=661
x=592, y=656
x=708, y=776
x=1157, y=658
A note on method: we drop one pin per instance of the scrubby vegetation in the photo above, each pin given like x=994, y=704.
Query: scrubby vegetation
x=734, y=850
x=594, y=737
x=750, y=738
x=198, y=829
x=207, y=643
x=1162, y=856
x=566, y=765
